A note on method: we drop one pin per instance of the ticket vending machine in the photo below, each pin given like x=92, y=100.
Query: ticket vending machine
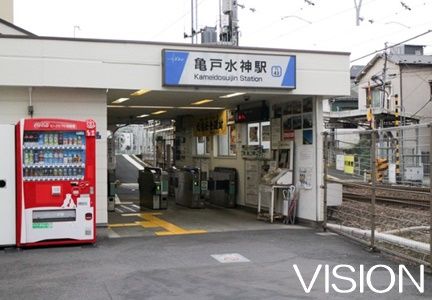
x=55, y=173
x=7, y=186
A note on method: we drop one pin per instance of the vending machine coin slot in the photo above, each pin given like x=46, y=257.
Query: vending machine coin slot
x=56, y=190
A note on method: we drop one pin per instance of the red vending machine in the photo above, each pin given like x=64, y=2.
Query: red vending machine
x=55, y=182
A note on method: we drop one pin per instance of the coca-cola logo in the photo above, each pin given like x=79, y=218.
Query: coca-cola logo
x=41, y=125
x=51, y=125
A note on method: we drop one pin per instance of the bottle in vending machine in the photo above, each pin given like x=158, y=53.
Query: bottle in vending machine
x=36, y=157
x=30, y=160
x=41, y=139
x=60, y=138
x=55, y=138
x=48, y=157
x=41, y=156
x=56, y=157
x=61, y=156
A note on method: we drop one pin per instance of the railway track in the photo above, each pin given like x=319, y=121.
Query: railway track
x=387, y=199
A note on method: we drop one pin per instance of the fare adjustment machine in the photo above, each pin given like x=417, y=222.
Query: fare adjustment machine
x=153, y=188
x=188, y=188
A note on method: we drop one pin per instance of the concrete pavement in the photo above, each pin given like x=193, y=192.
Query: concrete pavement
x=181, y=267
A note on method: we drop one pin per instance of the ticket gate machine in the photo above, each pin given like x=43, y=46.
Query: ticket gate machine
x=223, y=187
x=153, y=188
x=188, y=188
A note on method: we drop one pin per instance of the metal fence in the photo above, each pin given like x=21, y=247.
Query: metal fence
x=378, y=189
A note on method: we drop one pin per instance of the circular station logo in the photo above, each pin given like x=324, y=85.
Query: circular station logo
x=91, y=124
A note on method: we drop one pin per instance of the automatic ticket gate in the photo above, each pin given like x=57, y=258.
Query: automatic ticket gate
x=222, y=187
x=153, y=188
x=188, y=188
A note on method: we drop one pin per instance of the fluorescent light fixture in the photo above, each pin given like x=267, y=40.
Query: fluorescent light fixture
x=231, y=95
x=143, y=116
x=165, y=129
x=159, y=112
x=151, y=106
x=120, y=100
x=199, y=102
x=115, y=106
x=200, y=107
x=139, y=92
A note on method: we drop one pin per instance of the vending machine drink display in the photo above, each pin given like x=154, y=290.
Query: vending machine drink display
x=55, y=182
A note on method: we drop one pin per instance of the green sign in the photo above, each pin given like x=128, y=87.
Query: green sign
x=42, y=225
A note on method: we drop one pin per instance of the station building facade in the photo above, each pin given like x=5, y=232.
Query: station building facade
x=82, y=79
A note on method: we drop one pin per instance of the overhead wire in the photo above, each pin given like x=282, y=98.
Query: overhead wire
x=321, y=20
x=394, y=45
x=381, y=19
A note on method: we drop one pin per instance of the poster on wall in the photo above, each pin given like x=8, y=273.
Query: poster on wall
x=209, y=125
x=265, y=133
x=305, y=178
x=307, y=137
x=253, y=134
x=287, y=129
x=233, y=139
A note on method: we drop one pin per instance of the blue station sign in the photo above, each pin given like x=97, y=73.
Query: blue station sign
x=225, y=69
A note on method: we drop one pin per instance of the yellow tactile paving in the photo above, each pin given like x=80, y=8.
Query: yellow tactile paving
x=150, y=220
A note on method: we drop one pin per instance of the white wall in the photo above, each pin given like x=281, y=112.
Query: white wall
x=91, y=64
x=78, y=104
x=416, y=91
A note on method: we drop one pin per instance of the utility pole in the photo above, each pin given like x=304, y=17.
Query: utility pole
x=357, y=6
x=384, y=76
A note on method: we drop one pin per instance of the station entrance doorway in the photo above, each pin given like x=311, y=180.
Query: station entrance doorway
x=197, y=162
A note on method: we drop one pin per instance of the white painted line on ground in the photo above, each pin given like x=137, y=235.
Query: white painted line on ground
x=136, y=206
x=112, y=234
x=326, y=233
x=119, y=210
x=128, y=208
x=140, y=160
x=230, y=258
x=133, y=162
x=129, y=185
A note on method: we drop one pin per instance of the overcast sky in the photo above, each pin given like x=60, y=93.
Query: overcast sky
x=327, y=25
